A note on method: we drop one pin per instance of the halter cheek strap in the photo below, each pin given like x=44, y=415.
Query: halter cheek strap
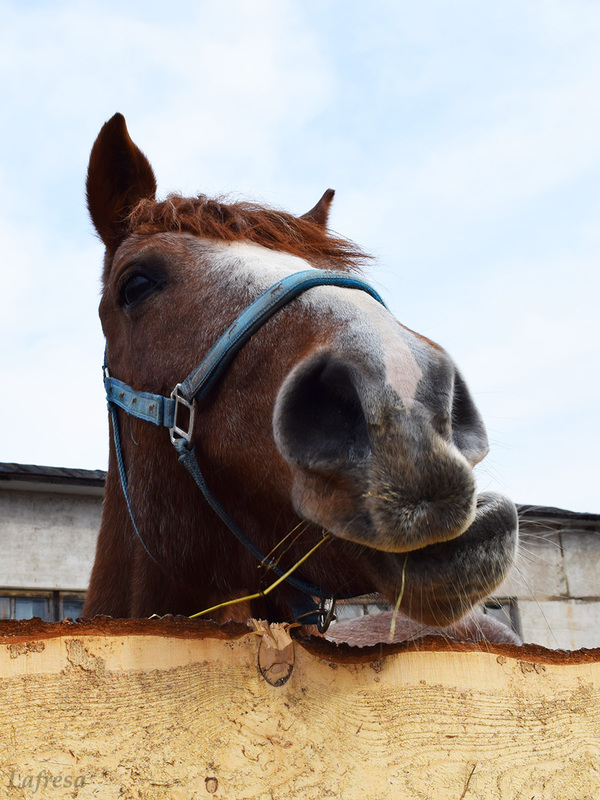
x=177, y=413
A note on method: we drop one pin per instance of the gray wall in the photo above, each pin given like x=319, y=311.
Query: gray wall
x=47, y=538
x=557, y=587
x=49, y=520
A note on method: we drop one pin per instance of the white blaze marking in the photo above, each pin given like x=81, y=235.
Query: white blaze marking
x=402, y=370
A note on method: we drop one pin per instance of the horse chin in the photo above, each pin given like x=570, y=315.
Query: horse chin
x=440, y=583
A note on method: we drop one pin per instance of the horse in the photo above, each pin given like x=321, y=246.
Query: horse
x=329, y=454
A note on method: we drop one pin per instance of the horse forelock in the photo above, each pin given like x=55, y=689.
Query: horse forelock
x=250, y=222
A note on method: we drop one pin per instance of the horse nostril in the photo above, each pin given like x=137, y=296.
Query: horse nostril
x=468, y=430
x=319, y=421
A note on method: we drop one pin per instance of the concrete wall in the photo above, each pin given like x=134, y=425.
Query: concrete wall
x=556, y=583
x=47, y=538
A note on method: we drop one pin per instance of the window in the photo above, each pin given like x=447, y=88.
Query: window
x=72, y=606
x=28, y=607
x=49, y=606
x=506, y=611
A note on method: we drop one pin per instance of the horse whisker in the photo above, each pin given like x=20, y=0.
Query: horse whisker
x=269, y=555
x=398, y=601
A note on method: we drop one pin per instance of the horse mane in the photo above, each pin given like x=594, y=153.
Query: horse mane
x=244, y=221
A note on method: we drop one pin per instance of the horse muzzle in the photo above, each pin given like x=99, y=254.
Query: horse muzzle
x=365, y=466
x=398, y=481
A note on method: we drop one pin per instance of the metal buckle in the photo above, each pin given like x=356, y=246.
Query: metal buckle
x=178, y=432
x=326, y=614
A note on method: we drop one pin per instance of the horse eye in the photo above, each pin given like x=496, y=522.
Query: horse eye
x=137, y=287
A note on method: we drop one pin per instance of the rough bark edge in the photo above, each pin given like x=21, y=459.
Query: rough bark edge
x=17, y=631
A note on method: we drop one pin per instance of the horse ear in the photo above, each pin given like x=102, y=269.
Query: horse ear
x=119, y=175
x=320, y=213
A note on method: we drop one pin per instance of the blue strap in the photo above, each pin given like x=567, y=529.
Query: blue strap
x=200, y=380
x=151, y=407
x=123, y=475
x=190, y=462
x=303, y=608
x=162, y=411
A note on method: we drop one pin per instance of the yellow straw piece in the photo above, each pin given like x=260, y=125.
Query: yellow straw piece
x=398, y=601
x=269, y=588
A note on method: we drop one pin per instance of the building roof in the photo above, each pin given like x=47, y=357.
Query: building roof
x=65, y=476
x=532, y=518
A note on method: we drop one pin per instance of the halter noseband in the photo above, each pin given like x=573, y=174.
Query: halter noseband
x=168, y=412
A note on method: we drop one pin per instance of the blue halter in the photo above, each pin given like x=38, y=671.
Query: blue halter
x=177, y=413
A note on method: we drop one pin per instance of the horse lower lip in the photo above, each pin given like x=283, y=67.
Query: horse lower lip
x=492, y=513
x=444, y=580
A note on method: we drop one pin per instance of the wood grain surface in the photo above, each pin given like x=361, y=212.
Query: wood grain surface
x=170, y=710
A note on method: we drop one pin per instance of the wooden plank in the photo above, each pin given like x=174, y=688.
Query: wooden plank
x=170, y=710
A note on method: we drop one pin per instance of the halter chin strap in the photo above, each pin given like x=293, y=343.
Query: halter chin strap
x=177, y=413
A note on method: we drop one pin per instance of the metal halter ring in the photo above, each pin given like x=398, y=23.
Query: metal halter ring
x=177, y=432
x=326, y=614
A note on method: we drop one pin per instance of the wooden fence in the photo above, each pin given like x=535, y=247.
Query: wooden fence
x=173, y=710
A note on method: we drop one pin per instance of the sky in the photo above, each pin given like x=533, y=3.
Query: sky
x=462, y=138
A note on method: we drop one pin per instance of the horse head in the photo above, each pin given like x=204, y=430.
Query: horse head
x=332, y=416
